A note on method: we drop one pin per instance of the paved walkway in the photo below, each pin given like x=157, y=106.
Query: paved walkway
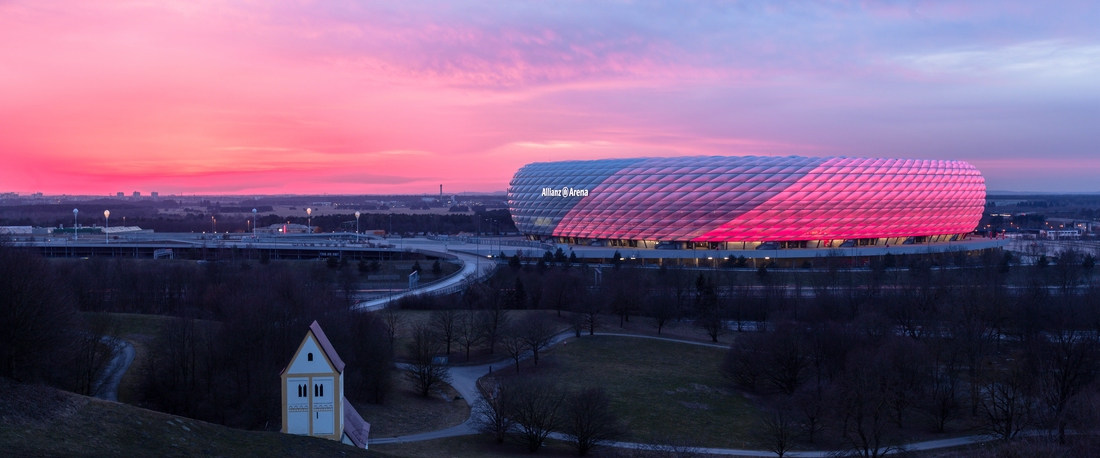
x=107, y=385
x=464, y=380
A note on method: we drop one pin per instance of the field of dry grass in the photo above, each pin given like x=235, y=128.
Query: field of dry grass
x=406, y=412
x=40, y=421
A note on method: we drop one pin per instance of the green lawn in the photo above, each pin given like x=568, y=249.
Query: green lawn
x=662, y=390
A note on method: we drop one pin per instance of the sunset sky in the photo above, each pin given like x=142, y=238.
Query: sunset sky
x=337, y=97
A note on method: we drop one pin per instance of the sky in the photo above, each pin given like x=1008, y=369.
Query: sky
x=335, y=97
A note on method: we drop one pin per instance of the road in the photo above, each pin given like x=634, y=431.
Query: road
x=473, y=267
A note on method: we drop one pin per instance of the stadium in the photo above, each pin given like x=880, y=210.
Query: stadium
x=749, y=203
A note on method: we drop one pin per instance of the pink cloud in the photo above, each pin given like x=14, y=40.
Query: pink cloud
x=345, y=97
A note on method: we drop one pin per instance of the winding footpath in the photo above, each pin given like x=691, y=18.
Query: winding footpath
x=464, y=380
x=107, y=384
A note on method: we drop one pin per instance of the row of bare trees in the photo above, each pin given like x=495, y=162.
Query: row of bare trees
x=528, y=410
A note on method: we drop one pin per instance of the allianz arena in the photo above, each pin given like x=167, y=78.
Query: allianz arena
x=723, y=201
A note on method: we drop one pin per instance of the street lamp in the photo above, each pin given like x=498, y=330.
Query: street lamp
x=107, y=219
x=253, y=223
x=213, y=225
x=356, y=227
x=76, y=232
x=309, y=220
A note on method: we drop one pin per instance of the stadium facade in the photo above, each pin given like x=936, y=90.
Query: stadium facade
x=722, y=201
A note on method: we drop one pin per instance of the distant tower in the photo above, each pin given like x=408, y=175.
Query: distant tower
x=313, y=394
x=440, y=193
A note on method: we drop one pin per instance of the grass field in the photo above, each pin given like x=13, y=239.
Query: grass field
x=406, y=412
x=40, y=421
x=662, y=390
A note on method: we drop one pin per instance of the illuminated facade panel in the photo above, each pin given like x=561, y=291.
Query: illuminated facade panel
x=746, y=198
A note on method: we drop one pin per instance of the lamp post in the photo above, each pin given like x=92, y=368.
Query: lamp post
x=107, y=221
x=253, y=223
x=76, y=231
x=356, y=227
x=309, y=220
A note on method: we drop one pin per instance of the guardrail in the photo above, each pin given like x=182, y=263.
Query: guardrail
x=491, y=241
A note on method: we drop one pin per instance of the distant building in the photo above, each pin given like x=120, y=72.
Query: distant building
x=285, y=229
x=1055, y=234
x=313, y=394
x=1081, y=226
x=121, y=194
x=137, y=194
x=154, y=194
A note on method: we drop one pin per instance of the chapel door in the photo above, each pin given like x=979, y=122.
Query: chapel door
x=323, y=409
x=297, y=405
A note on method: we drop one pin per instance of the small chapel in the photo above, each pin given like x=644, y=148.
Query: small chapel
x=313, y=394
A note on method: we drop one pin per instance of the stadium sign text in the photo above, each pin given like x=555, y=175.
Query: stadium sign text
x=565, y=191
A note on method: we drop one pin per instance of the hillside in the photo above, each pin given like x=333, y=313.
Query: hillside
x=40, y=421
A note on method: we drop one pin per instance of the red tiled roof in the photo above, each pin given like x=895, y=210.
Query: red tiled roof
x=326, y=346
x=355, y=427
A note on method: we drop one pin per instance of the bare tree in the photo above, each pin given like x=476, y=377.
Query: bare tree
x=710, y=316
x=493, y=320
x=942, y=401
x=779, y=430
x=491, y=415
x=590, y=310
x=468, y=332
x=95, y=349
x=393, y=320
x=813, y=408
x=1070, y=364
x=788, y=360
x=425, y=371
x=589, y=420
x=445, y=324
x=536, y=410
x=348, y=281
x=745, y=360
x=661, y=309
x=561, y=289
x=536, y=331
x=863, y=408
x=511, y=340
x=1007, y=405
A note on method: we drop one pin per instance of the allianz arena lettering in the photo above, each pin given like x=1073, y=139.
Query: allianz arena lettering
x=746, y=198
